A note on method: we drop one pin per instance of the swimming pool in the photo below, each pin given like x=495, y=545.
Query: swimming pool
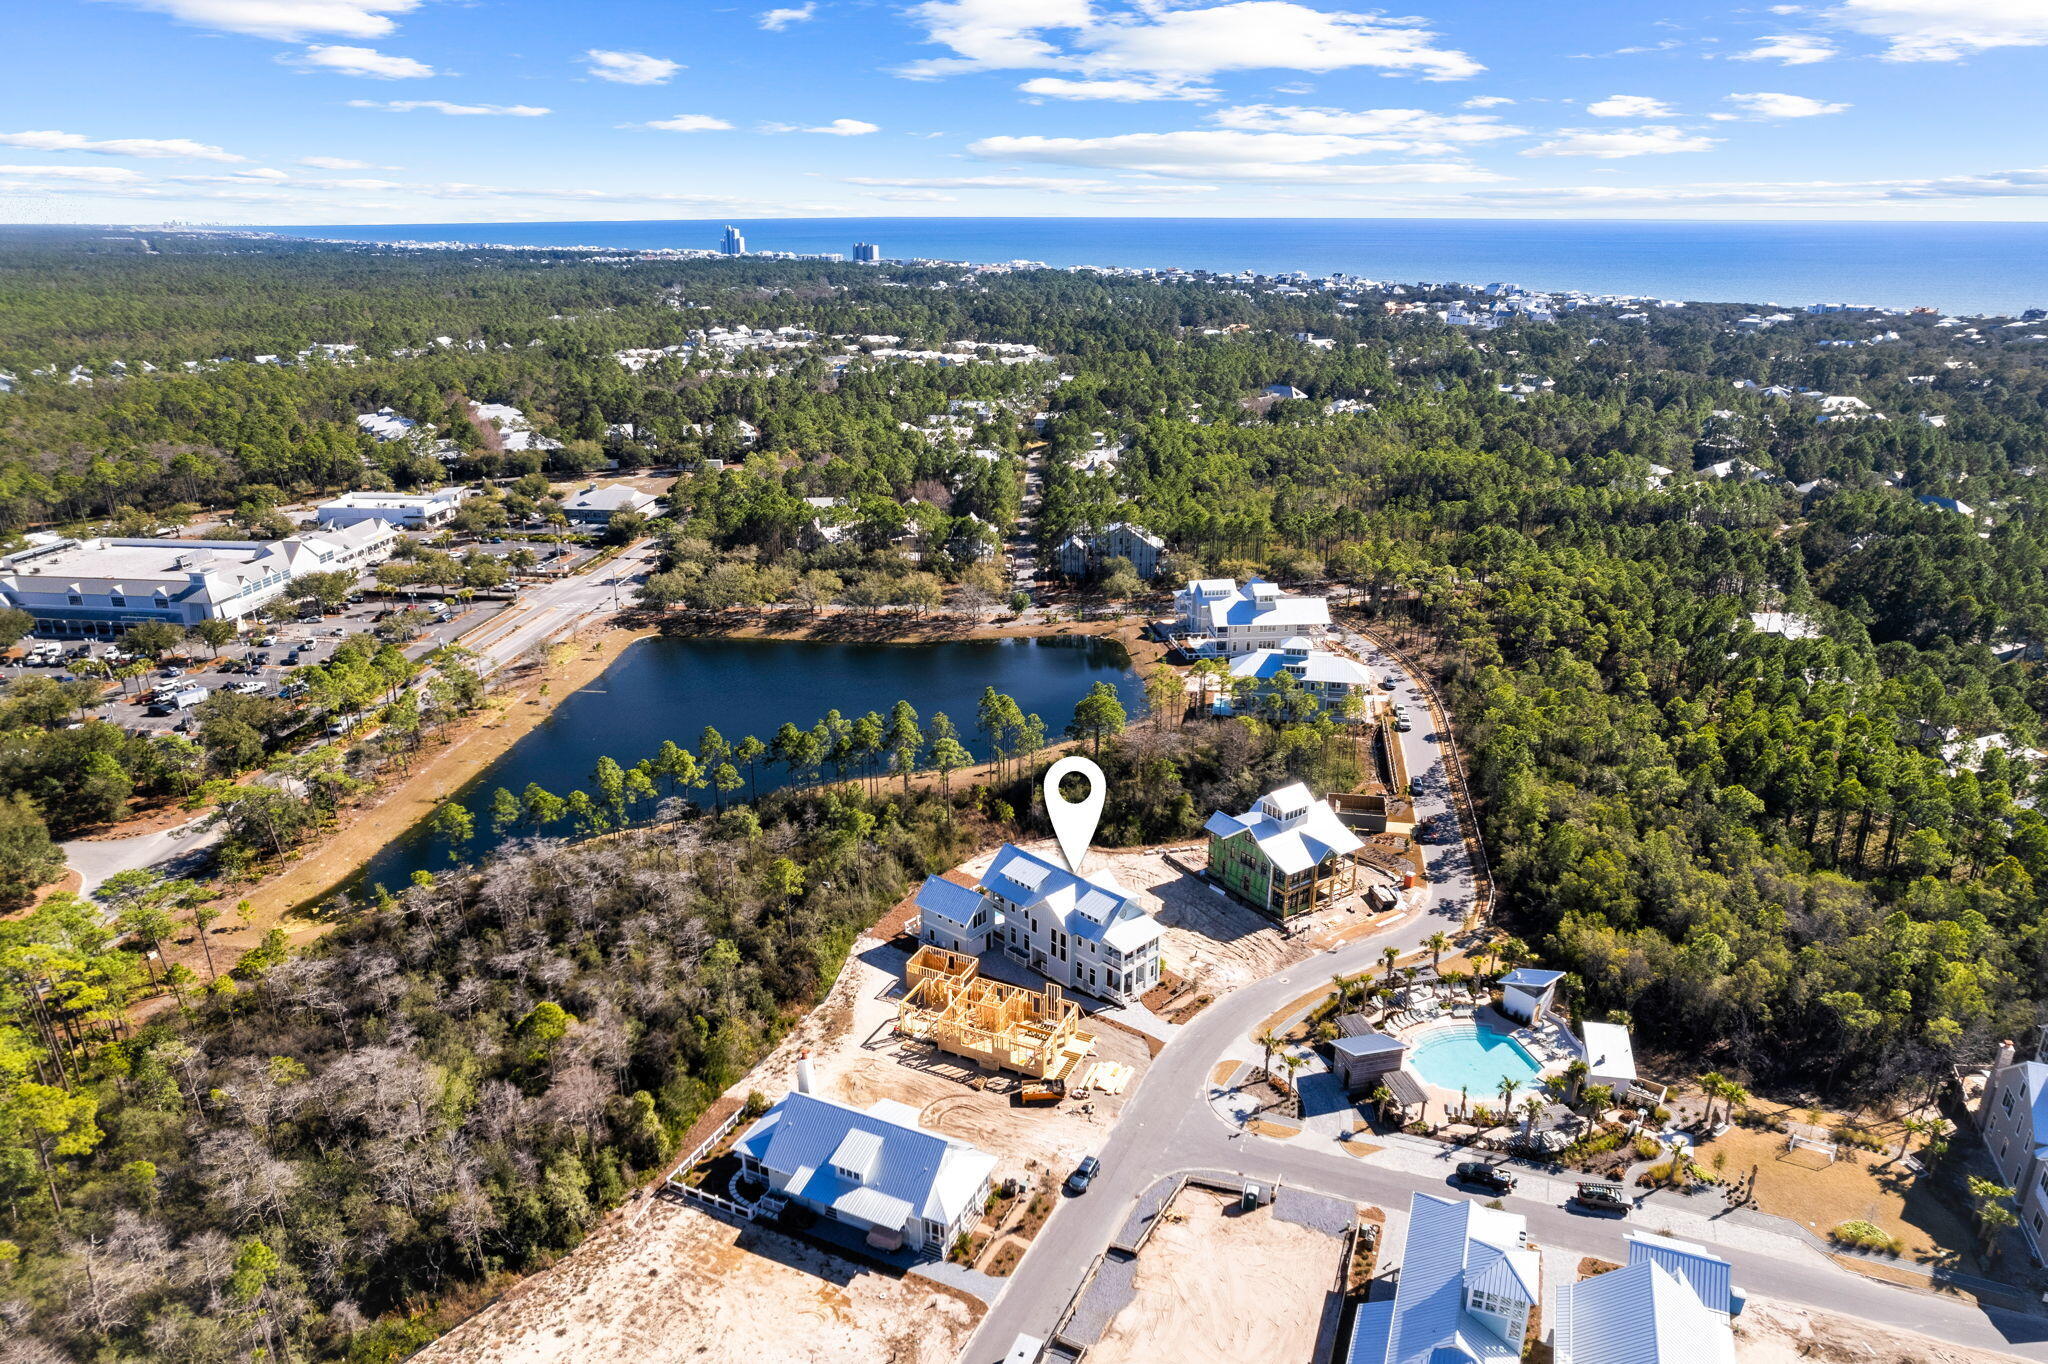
x=1462, y=1055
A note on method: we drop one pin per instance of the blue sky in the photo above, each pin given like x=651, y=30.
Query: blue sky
x=353, y=111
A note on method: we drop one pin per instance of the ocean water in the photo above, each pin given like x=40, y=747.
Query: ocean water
x=1957, y=267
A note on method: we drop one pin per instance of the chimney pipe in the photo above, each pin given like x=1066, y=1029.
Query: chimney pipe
x=803, y=1071
x=2005, y=1055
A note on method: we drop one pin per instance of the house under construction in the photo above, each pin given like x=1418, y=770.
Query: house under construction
x=948, y=1003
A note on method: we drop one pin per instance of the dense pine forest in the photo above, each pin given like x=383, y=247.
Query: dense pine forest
x=1752, y=701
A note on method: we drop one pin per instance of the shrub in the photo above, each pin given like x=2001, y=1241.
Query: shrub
x=1865, y=1235
x=1647, y=1148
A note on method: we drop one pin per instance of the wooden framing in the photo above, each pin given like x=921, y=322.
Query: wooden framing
x=948, y=1003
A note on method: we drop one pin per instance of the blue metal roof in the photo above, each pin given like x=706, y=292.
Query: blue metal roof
x=799, y=1137
x=1638, y=1315
x=948, y=900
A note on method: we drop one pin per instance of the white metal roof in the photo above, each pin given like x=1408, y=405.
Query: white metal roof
x=1292, y=844
x=1609, y=1051
x=947, y=900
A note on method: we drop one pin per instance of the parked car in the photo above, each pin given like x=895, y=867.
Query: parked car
x=1603, y=1198
x=1486, y=1176
x=1386, y=684
x=1084, y=1175
x=266, y=642
x=247, y=689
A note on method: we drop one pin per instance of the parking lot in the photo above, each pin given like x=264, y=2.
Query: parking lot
x=261, y=663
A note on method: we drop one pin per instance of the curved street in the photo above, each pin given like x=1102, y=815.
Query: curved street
x=1169, y=1126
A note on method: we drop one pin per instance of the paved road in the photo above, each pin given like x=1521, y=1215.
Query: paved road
x=1168, y=1126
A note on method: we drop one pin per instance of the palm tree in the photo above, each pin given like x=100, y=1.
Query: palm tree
x=1596, y=1099
x=1507, y=1094
x=1341, y=988
x=1575, y=1077
x=1531, y=1107
x=1438, y=943
x=1388, y=956
x=1382, y=1099
x=1269, y=1042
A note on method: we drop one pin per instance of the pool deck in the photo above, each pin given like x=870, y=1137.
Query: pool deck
x=1549, y=1044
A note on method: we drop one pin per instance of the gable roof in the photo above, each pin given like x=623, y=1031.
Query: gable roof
x=1643, y=1314
x=948, y=900
x=1091, y=908
x=1292, y=844
x=1317, y=665
x=905, y=1170
x=1449, y=1242
x=1707, y=1274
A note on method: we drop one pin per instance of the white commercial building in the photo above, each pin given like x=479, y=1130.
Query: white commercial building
x=409, y=511
x=596, y=506
x=105, y=586
x=1219, y=619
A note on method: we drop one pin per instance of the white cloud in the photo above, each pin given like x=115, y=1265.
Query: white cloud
x=687, y=123
x=1126, y=90
x=359, y=61
x=164, y=148
x=1789, y=49
x=286, y=20
x=1630, y=106
x=776, y=20
x=97, y=175
x=339, y=163
x=1486, y=102
x=1049, y=183
x=1176, y=43
x=1223, y=154
x=914, y=196
x=1391, y=130
x=1944, y=30
x=629, y=68
x=838, y=127
x=1764, y=105
x=442, y=106
x=1610, y=144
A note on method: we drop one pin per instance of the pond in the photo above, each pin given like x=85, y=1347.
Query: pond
x=663, y=688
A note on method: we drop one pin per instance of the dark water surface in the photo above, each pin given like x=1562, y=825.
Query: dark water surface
x=671, y=688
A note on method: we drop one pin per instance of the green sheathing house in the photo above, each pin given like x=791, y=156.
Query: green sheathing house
x=1242, y=869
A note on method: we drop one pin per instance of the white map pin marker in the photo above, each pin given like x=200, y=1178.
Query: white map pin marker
x=1074, y=821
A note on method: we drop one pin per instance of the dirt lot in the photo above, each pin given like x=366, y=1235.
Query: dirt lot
x=1778, y=1333
x=1212, y=941
x=683, y=1286
x=856, y=1057
x=1860, y=1184
x=1211, y=1286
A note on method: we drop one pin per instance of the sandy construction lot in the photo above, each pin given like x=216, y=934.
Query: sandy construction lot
x=684, y=1287
x=857, y=1058
x=1215, y=1286
x=1778, y=1333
